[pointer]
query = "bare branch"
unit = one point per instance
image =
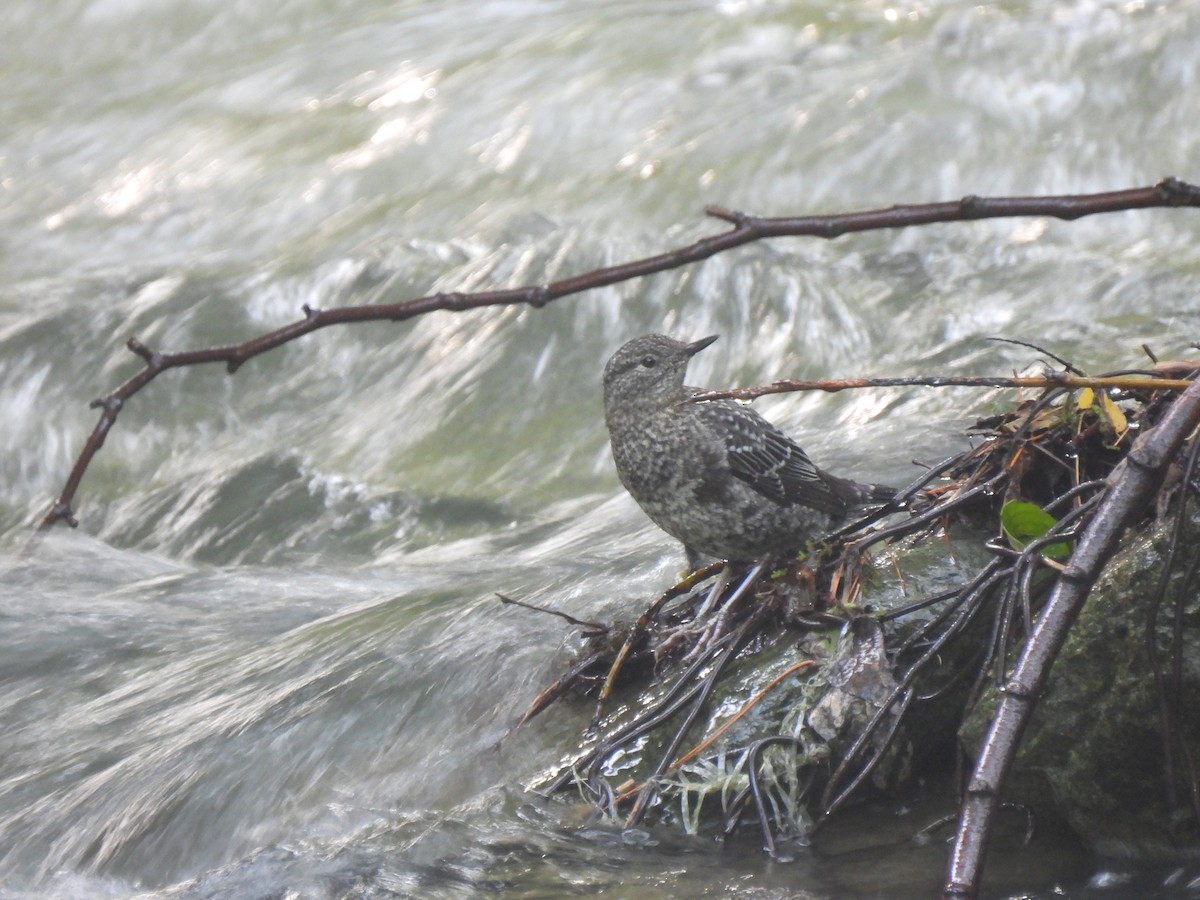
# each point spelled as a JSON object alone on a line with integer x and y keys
{"x": 1170, "y": 192}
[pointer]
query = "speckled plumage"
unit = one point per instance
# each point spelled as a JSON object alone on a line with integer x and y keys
{"x": 715, "y": 475}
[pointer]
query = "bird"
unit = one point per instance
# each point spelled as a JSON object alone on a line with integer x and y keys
{"x": 716, "y": 475}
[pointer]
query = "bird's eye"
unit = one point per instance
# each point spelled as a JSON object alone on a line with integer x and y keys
{"x": 649, "y": 362}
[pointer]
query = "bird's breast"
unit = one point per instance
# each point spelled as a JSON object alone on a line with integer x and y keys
{"x": 661, "y": 455}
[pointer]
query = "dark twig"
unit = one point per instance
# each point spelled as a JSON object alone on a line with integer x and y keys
{"x": 900, "y": 612}
{"x": 897, "y": 703}
{"x": 554, "y": 691}
{"x": 987, "y": 578}
{"x": 1130, "y": 486}
{"x": 753, "y": 761}
{"x": 1082, "y": 488}
{"x": 1170, "y": 192}
{"x": 1042, "y": 350}
{"x": 590, "y": 627}
{"x": 962, "y": 498}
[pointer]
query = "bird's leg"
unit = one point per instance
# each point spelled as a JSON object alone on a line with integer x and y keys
{"x": 714, "y": 594}
{"x": 716, "y": 628}
{"x": 747, "y": 584}
{"x": 696, "y": 625}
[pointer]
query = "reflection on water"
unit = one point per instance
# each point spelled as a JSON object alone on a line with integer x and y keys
{"x": 271, "y": 661}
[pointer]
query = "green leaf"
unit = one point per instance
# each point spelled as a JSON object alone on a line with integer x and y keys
{"x": 1023, "y": 523}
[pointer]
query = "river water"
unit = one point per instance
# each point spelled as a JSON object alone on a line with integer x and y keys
{"x": 270, "y": 661}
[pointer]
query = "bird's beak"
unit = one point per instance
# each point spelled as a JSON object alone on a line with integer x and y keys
{"x": 696, "y": 346}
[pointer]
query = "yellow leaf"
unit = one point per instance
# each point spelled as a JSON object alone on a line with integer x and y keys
{"x": 1086, "y": 398}
{"x": 1114, "y": 414}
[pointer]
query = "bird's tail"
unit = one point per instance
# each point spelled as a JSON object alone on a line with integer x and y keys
{"x": 860, "y": 497}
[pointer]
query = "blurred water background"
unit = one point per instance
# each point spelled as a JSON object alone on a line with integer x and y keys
{"x": 270, "y": 661}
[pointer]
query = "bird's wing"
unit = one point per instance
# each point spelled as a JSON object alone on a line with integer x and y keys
{"x": 768, "y": 460}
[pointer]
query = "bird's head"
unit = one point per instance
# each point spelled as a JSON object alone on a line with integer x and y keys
{"x": 649, "y": 371}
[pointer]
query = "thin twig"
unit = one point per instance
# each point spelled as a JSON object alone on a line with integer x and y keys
{"x": 752, "y": 764}
{"x": 1042, "y": 350}
{"x": 591, "y": 626}
{"x": 1046, "y": 380}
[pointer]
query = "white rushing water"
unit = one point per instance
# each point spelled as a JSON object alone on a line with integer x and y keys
{"x": 270, "y": 661}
